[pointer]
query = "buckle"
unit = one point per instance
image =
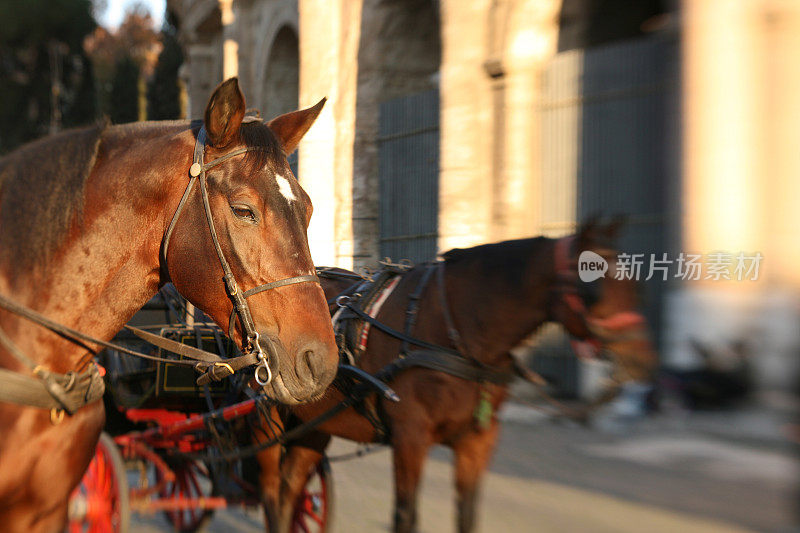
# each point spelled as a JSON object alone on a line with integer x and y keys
{"x": 56, "y": 416}
{"x": 260, "y": 369}
{"x": 261, "y": 378}
{"x": 226, "y": 366}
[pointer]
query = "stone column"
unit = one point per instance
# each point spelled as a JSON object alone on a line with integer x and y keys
{"x": 200, "y": 78}
{"x": 230, "y": 47}
{"x": 329, "y": 39}
{"x": 465, "y": 167}
{"x": 531, "y": 42}
{"x": 493, "y": 53}
{"x": 740, "y": 186}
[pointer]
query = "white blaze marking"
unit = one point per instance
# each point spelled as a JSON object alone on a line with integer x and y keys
{"x": 285, "y": 187}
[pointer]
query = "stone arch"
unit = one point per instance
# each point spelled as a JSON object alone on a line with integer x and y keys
{"x": 399, "y": 55}
{"x": 406, "y": 50}
{"x": 281, "y": 83}
{"x": 274, "y": 18}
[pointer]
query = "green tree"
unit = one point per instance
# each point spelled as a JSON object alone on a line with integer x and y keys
{"x": 164, "y": 90}
{"x": 83, "y": 107}
{"x": 41, "y": 53}
{"x": 123, "y": 100}
{"x": 134, "y": 39}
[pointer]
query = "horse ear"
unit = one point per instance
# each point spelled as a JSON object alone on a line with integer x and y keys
{"x": 291, "y": 127}
{"x": 613, "y": 229}
{"x": 224, "y": 113}
{"x": 587, "y": 232}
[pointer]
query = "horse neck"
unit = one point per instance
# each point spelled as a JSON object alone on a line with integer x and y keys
{"x": 108, "y": 266}
{"x": 495, "y": 313}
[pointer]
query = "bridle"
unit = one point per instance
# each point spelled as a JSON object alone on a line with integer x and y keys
{"x": 603, "y": 330}
{"x": 566, "y": 285}
{"x": 251, "y": 338}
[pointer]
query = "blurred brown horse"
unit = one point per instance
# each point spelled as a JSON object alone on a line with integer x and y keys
{"x": 495, "y": 295}
{"x": 83, "y": 218}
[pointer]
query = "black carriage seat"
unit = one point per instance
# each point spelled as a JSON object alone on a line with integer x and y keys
{"x": 139, "y": 383}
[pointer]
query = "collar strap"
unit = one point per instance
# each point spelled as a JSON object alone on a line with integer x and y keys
{"x": 563, "y": 256}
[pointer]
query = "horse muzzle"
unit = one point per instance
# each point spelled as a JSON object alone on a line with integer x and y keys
{"x": 299, "y": 376}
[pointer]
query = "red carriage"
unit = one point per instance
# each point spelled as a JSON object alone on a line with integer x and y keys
{"x": 184, "y": 450}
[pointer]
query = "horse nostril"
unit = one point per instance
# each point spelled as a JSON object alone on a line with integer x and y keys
{"x": 311, "y": 365}
{"x": 305, "y": 366}
{"x": 308, "y": 355}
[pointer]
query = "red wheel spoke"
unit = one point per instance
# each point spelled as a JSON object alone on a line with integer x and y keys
{"x": 99, "y": 493}
{"x": 186, "y": 486}
{"x": 315, "y": 517}
{"x": 302, "y": 525}
{"x": 311, "y": 506}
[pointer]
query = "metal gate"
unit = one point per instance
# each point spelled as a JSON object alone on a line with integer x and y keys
{"x": 610, "y": 145}
{"x": 408, "y": 176}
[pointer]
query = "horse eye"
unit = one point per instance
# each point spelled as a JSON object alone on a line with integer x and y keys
{"x": 243, "y": 212}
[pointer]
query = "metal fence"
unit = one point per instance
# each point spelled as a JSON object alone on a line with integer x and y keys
{"x": 293, "y": 162}
{"x": 610, "y": 143}
{"x": 408, "y": 176}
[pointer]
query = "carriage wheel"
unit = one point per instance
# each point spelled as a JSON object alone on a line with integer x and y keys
{"x": 188, "y": 484}
{"x": 100, "y": 503}
{"x": 314, "y": 506}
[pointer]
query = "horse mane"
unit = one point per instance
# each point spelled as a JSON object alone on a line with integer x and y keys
{"x": 511, "y": 258}
{"x": 42, "y": 190}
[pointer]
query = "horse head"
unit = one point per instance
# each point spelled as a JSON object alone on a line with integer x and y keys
{"x": 594, "y": 302}
{"x": 250, "y": 231}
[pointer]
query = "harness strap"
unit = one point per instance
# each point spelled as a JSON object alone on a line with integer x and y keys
{"x": 215, "y": 368}
{"x": 449, "y": 363}
{"x": 68, "y": 392}
{"x": 175, "y": 216}
{"x": 349, "y": 291}
{"x": 240, "y": 305}
{"x": 331, "y": 273}
{"x": 181, "y": 349}
{"x": 281, "y": 283}
{"x": 446, "y": 360}
{"x": 397, "y": 334}
{"x": 452, "y": 331}
{"x": 413, "y": 305}
{"x": 70, "y": 334}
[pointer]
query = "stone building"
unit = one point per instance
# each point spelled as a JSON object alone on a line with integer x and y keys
{"x": 456, "y": 122}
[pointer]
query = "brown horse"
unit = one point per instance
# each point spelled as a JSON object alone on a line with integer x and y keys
{"x": 84, "y": 217}
{"x": 496, "y": 294}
